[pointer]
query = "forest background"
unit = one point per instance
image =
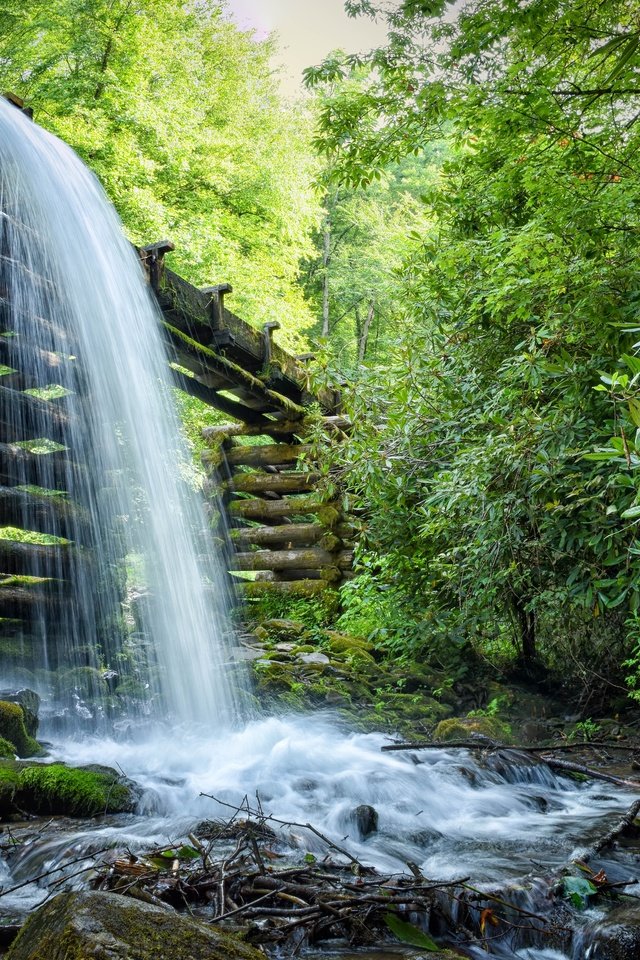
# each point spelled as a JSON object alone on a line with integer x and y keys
{"x": 451, "y": 221}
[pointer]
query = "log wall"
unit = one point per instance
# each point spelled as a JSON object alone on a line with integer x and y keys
{"x": 284, "y": 530}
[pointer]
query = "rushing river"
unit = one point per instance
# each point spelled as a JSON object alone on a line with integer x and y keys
{"x": 497, "y": 819}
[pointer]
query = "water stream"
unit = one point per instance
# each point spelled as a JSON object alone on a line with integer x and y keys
{"x": 102, "y": 471}
{"x": 80, "y": 323}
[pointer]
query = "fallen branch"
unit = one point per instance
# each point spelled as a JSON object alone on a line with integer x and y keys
{"x": 569, "y": 767}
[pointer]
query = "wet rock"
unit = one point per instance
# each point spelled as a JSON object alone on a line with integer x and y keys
{"x": 617, "y": 937}
{"x": 365, "y": 819}
{"x": 314, "y": 658}
{"x": 30, "y": 703}
{"x": 37, "y": 788}
{"x": 106, "y": 926}
{"x": 14, "y": 732}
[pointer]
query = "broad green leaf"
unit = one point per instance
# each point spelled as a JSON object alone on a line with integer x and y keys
{"x": 408, "y": 933}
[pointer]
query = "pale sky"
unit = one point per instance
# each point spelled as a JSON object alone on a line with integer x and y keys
{"x": 308, "y": 30}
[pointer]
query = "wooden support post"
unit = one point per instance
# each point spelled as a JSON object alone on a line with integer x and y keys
{"x": 152, "y": 257}
{"x": 216, "y": 306}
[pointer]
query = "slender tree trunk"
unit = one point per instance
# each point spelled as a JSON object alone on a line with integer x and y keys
{"x": 326, "y": 260}
{"x": 364, "y": 337}
{"x": 527, "y": 623}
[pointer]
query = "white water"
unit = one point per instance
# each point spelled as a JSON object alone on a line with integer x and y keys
{"x": 443, "y": 809}
{"x": 70, "y": 286}
{"x": 63, "y": 257}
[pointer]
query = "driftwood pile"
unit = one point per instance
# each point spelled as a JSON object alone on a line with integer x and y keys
{"x": 254, "y": 886}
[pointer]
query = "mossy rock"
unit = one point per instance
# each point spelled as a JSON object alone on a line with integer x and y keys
{"x": 87, "y": 682}
{"x": 462, "y": 728}
{"x": 12, "y": 728}
{"x": 103, "y": 926}
{"x": 7, "y": 750}
{"x": 345, "y": 643}
{"x": 283, "y": 630}
{"x": 71, "y": 791}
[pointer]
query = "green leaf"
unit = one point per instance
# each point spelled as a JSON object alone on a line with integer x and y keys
{"x": 578, "y": 890}
{"x": 309, "y": 858}
{"x": 631, "y": 513}
{"x": 408, "y": 933}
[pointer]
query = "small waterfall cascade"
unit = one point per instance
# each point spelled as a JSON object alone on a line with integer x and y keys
{"x": 109, "y": 591}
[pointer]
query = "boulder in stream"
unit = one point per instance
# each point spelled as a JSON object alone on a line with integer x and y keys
{"x": 108, "y": 926}
{"x": 617, "y": 937}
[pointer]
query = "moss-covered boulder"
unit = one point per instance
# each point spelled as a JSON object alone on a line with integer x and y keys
{"x": 29, "y": 701}
{"x": 462, "y": 728}
{"x": 57, "y": 789}
{"x": 107, "y": 926}
{"x": 12, "y": 729}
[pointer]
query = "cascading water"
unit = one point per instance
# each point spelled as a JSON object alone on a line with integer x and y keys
{"x": 95, "y": 454}
{"x": 92, "y": 463}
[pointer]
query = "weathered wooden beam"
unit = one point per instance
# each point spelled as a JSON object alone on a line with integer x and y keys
{"x": 276, "y": 428}
{"x": 297, "y": 534}
{"x": 272, "y": 454}
{"x": 240, "y": 378}
{"x": 28, "y": 418}
{"x": 44, "y": 514}
{"x": 259, "y": 509}
{"x": 312, "y": 558}
{"x": 38, "y": 560}
{"x": 289, "y": 482}
{"x": 49, "y": 470}
{"x": 211, "y": 397}
{"x": 253, "y": 589}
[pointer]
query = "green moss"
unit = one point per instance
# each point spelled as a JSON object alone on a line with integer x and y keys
{"x": 457, "y": 728}
{"x": 7, "y": 750}
{"x": 12, "y": 728}
{"x": 76, "y": 926}
{"x": 54, "y": 788}
{"x": 87, "y": 682}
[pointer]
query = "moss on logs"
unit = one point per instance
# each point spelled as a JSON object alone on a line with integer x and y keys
{"x": 311, "y": 558}
{"x": 290, "y": 482}
{"x": 257, "y": 509}
{"x": 275, "y": 454}
{"x": 298, "y": 534}
{"x": 43, "y": 513}
{"x": 253, "y": 589}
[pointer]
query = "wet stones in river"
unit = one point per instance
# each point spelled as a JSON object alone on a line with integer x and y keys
{"x": 617, "y": 937}
{"x": 107, "y": 925}
{"x": 365, "y": 820}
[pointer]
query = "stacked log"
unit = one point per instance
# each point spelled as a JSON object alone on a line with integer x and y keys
{"x": 285, "y": 531}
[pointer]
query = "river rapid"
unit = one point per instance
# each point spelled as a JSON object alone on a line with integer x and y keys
{"x": 503, "y": 820}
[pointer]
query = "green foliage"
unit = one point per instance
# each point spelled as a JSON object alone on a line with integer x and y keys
{"x": 178, "y": 112}
{"x": 489, "y": 511}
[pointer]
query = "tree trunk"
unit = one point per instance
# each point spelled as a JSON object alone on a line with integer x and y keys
{"x": 326, "y": 260}
{"x": 364, "y": 338}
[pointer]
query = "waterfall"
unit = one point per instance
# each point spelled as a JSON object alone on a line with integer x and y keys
{"x": 119, "y": 598}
